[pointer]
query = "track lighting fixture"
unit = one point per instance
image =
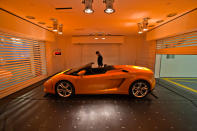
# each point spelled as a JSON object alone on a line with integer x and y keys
{"x": 88, "y": 6}
{"x": 60, "y": 31}
{"x": 55, "y": 24}
{"x": 140, "y": 31}
{"x": 145, "y": 24}
{"x": 109, "y": 6}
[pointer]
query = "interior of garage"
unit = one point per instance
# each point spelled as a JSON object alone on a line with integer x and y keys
{"x": 31, "y": 51}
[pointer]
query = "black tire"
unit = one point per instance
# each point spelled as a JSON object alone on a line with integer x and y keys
{"x": 64, "y": 89}
{"x": 139, "y": 89}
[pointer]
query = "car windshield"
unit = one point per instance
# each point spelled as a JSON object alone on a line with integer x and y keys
{"x": 78, "y": 68}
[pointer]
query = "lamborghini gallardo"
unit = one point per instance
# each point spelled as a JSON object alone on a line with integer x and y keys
{"x": 111, "y": 79}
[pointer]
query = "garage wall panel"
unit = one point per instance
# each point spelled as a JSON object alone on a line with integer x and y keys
{"x": 109, "y": 51}
{"x": 21, "y": 60}
{"x": 127, "y": 51}
{"x": 146, "y": 54}
{"x": 12, "y": 24}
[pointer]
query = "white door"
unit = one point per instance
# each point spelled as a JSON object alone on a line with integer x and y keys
{"x": 110, "y": 53}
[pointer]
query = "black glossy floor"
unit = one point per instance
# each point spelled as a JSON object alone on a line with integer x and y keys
{"x": 32, "y": 110}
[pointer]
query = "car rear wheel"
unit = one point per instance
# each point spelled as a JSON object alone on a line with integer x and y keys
{"x": 64, "y": 89}
{"x": 139, "y": 89}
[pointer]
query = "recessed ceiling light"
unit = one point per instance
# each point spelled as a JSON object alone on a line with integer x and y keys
{"x": 30, "y": 17}
{"x": 171, "y": 14}
{"x": 53, "y": 19}
{"x": 103, "y": 38}
{"x": 151, "y": 25}
{"x": 159, "y": 21}
{"x": 42, "y": 23}
{"x": 96, "y": 38}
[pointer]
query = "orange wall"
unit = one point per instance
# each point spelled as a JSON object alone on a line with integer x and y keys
{"x": 183, "y": 24}
{"x": 146, "y": 54}
{"x": 128, "y": 51}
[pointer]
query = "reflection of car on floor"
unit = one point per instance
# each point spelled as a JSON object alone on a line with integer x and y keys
{"x": 118, "y": 79}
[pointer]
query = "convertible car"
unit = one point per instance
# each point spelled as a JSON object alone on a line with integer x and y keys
{"x": 117, "y": 79}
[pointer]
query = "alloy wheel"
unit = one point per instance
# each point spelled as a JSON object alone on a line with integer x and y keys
{"x": 64, "y": 89}
{"x": 140, "y": 89}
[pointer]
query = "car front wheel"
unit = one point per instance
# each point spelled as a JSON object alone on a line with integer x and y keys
{"x": 64, "y": 89}
{"x": 139, "y": 89}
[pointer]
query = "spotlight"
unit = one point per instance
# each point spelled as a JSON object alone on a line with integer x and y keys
{"x": 103, "y": 38}
{"x": 55, "y": 24}
{"x": 96, "y": 38}
{"x": 140, "y": 28}
{"x": 109, "y": 6}
{"x": 145, "y": 24}
{"x": 88, "y": 6}
{"x": 60, "y": 32}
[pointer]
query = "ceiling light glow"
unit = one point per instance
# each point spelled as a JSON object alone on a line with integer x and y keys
{"x": 88, "y": 11}
{"x": 60, "y": 33}
{"x": 109, "y": 11}
{"x": 30, "y": 17}
{"x": 145, "y": 29}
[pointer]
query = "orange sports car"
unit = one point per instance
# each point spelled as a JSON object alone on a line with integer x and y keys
{"x": 117, "y": 79}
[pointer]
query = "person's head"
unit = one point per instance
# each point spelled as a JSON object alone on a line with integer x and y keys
{"x": 97, "y": 53}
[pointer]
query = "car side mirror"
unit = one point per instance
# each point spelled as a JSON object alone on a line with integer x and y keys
{"x": 81, "y": 73}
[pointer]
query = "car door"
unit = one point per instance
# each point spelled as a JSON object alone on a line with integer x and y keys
{"x": 92, "y": 83}
{"x": 116, "y": 78}
{"x": 101, "y": 83}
